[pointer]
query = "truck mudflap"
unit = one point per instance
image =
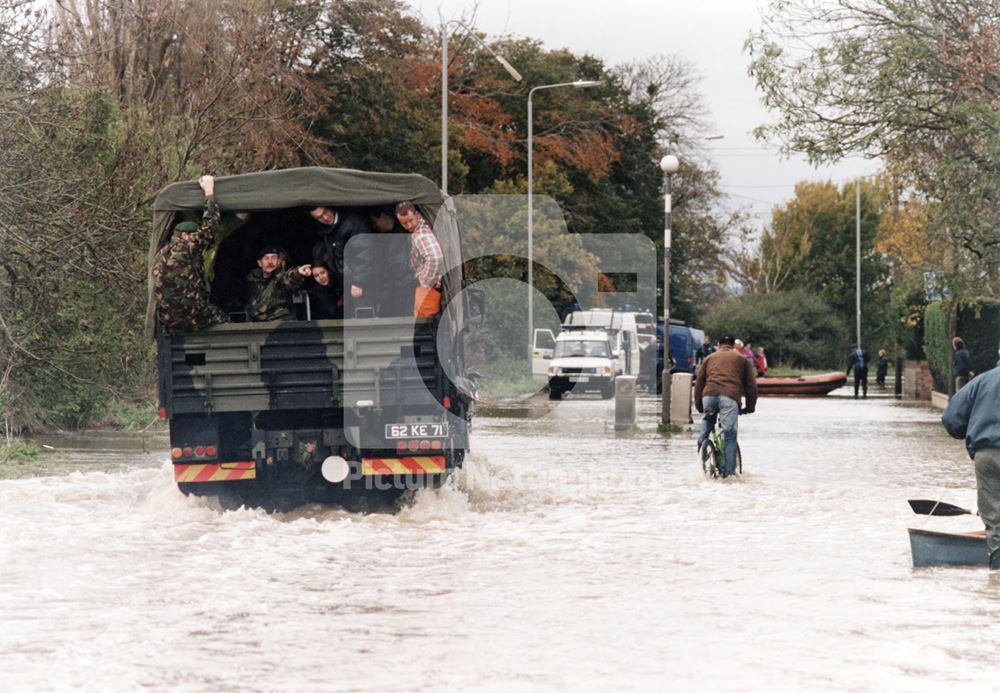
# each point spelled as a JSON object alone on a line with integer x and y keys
{"x": 392, "y": 466}
{"x": 219, "y": 471}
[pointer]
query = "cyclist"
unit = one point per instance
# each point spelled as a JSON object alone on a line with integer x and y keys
{"x": 724, "y": 378}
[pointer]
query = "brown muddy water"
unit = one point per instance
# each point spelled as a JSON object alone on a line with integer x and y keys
{"x": 563, "y": 557}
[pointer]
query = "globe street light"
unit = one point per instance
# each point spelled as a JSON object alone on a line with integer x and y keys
{"x": 580, "y": 84}
{"x": 669, "y": 165}
{"x": 444, "y": 88}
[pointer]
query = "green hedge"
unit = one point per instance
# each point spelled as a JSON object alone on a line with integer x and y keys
{"x": 796, "y": 328}
{"x": 937, "y": 344}
{"x": 978, "y": 325}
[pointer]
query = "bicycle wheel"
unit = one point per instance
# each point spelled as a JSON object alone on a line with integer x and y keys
{"x": 710, "y": 460}
{"x": 708, "y": 456}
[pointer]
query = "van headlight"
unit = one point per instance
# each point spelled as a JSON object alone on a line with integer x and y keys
{"x": 553, "y": 371}
{"x": 607, "y": 370}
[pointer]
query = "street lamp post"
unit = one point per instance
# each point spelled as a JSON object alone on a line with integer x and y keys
{"x": 669, "y": 165}
{"x": 444, "y": 88}
{"x": 857, "y": 259}
{"x": 579, "y": 84}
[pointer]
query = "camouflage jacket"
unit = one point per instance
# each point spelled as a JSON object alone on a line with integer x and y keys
{"x": 179, "y": 286}
{"x": 271, "y": 297}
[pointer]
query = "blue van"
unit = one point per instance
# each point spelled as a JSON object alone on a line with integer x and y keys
{"x": 684, "y": 344}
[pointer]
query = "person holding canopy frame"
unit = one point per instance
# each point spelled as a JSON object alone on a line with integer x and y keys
{"x": 180, "y": 289}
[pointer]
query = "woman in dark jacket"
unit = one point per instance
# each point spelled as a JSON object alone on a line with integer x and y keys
{"x": 326, "y": 299}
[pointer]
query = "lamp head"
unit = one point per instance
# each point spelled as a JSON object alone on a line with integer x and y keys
{"x": 586, "y": 83}
{"x": 507, "y": 66}
{"x": 669, "y": 164}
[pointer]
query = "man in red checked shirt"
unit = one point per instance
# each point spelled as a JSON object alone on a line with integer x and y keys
{"x": 426, "y": 259}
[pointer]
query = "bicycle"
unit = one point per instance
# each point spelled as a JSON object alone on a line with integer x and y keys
{"x": 713, "y": 450}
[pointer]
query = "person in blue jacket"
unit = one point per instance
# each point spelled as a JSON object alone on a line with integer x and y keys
{"x": 858, "y": 360}
{"x": 974, "y": 414}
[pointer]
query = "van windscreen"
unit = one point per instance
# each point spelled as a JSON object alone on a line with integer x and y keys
{"x": 582, "y": 347}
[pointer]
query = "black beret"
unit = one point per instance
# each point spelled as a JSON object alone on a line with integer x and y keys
{"x": 267, "y": 249}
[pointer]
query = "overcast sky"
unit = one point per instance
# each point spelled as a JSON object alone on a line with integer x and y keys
{"x": 710, "y": 34}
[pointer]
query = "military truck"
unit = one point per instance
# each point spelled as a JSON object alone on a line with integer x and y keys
{"x": 354, "y": 411}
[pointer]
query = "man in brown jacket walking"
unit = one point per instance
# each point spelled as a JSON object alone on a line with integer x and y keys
{"x": 724, "y": 378}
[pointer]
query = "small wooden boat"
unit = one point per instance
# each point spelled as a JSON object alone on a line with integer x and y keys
{"x": 947, "y": 548}
{"x": 819, "y": 384}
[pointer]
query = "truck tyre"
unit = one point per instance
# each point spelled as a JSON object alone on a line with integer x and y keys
{"x": 608, "y": 391}
{"x": 555, "y": 393}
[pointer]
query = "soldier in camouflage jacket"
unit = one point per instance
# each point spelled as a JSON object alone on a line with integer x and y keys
{"x": 271, "y": 287}
{"x": 179, "y": 286}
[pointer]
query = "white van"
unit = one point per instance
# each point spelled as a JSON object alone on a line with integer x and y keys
{"x": 582, "y": 361}
{"x": 621, "y": 329}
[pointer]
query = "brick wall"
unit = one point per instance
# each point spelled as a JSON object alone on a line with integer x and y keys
{"x": 917, "y": 383}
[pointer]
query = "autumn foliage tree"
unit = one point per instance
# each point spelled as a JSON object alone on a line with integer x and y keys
{"x": 914, "y": 82}
{"x": 810, "y": 245}
{"x": 595, "y": 150}
{"x": 103, "y": 103}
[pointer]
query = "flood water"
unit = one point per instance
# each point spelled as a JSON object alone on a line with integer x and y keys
{"x": 564, "y": 557}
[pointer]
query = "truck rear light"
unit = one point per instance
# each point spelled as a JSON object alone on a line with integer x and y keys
{"x": 199, "y": 451}
{"x": 412, "y": 446}
{"x": 425, "y": 445}
{"x": 176, "y": 453}
{"x": 435, "y": 445}
{"x": 211, "y": 451}
{"x": 446, "y": 402}
{"x": 401, "y": 446}
{"x": 188, "y": 452}
{"x": 162, "y": 412}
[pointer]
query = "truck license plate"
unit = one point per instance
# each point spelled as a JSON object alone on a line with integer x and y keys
{"x": 579, "y": 379}
{"x": 416, "y": 430}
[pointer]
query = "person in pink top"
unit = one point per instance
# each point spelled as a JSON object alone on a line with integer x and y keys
{"x": 746, "y": 352}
